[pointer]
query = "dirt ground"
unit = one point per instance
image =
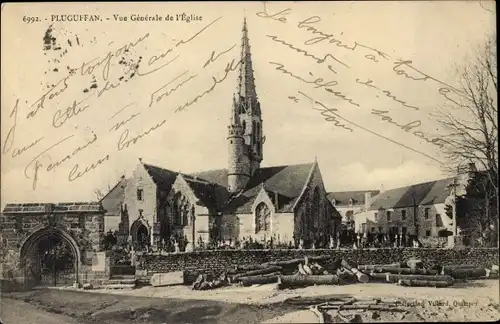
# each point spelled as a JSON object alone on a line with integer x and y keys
{"x": 471, "y": 301}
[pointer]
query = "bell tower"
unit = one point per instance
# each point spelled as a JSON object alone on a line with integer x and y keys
{"x": 245, "y": 130}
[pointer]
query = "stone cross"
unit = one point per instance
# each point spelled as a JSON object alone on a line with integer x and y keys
{"x": 176, "y": 245}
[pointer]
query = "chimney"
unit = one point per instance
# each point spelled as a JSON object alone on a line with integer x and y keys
{"x": 368, "y": 198}
{"x": 276, "y": 200}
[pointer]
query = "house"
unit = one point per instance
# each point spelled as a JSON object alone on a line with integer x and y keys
{"x": 417, "y": 209}
{"x": 349, "y": 203}
{"x": 286, "y": 203}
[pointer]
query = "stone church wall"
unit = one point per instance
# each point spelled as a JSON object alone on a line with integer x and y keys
{"x": 283, "y": 227}
{"x": 243, "y": 225}
{"x": 325, "y": 219}
{"x": 140, "y": 180}
{"x": 221, "y": 260}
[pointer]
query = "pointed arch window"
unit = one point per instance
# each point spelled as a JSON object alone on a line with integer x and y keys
{"x": 244, "y": 124}
{"x": 262, "y": 218}
{"x": 181, "y": 210}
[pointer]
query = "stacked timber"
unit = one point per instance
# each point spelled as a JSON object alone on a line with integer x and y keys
{"x": 394, "y": 278}
{"x": 258, "y": 272}
{"x": 260, "y": 280}
{"x": 299, "y": 280}
{"x": 424, "y": 283}
{"x": 325, "y": 270}
{"x": 397, "y": 270}
{"x": 359, "y": 275}
{"x": 469, "y": 272}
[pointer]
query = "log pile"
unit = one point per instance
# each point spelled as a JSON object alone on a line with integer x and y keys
{"x": 325, "y": 270}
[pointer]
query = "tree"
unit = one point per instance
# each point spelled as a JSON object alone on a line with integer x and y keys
{"x": 477, "y": 213}
{"x": 471, "y": 127}
{"x": 99, "y": 194}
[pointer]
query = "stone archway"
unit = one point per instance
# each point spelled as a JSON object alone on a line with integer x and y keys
{"x": 31, "y": 258}
{"x": 141, "y": 235}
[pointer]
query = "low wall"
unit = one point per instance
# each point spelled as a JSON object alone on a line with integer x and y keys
{"x": 217, "y": 261}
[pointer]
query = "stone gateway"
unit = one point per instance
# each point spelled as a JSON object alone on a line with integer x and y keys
{"x": 51, "y": 244}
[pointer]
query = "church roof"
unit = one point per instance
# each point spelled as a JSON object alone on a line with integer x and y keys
{"x": 112, "y": 201}
{"x": 286, "y": 181}
{"x": 163, "y": 178}
{"x": 207, "y": 192}
{"x": 283, "y": 182}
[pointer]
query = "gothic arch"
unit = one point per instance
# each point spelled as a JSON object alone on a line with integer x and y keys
{"x": 181, "y": 209}
{"x": 136, "y": 225}
{"x": 30, "y": 244}
{"x": 262, "y": 218}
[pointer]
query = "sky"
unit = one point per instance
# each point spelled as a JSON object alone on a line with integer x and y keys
{"x": 68, "y": 64}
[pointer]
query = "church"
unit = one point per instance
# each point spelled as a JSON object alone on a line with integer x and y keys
{"x": 287, "y": 204}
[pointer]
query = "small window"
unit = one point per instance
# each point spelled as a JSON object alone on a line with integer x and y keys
{"x": 380, "y": 229}
{"x": 388, "y": 213}
{"x": 376, "y": 216}
{"x": 373, "y": 229}
{"x": 438, "y": 220}
{"x": 426, "y": 213}
{"x": 140, "y": 194}
{"x": 403, "y": 214}
{"x": 427, "y": 233}
{"x": 403, "y": 230}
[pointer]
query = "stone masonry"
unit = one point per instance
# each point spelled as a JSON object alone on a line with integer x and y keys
{"x": 24, "y": 226}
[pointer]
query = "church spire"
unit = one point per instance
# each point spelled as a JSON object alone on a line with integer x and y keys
{"x": 245, "y": 137}
{"x": 246, "y": 81}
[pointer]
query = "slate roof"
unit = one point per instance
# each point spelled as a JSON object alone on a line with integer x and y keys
{"x": 342, "y": 197}
{"x": 206, "y": 192}
{"x": 285, "y": 182}
{"x": 112, "y": 201}
{"x": 427, "y": 193}
{"x": 163, "y": 178}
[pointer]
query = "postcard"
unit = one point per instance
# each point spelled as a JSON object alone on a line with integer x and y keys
{"x": 157, "y": 141}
